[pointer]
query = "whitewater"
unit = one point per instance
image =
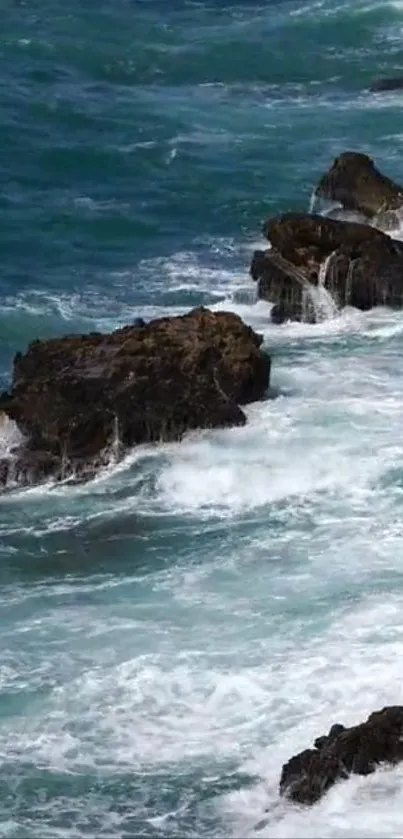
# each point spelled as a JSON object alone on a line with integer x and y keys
{"x": 177, "y": 628}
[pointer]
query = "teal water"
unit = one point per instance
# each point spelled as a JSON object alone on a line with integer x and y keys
{"x": 177, "y": 628}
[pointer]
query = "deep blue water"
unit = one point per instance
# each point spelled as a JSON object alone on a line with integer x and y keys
{"x": 176, "y": 629}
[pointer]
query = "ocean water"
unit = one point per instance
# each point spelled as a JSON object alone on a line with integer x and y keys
{"x": 174, "y": 630}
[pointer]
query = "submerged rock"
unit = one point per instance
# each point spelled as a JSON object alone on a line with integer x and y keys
{"x": 355, "y": 183}
{"x": 387, "y": 83}
{"x": 344, "y": 751}
{"x": 358, "y": 265}
{"x": 80, "y": 398}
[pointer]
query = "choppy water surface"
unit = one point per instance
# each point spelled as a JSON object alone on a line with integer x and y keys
{"x": 176, "y": 629}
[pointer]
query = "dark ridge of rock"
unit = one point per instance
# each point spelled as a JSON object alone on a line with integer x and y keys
{"x": 304, "y": 237}
{"x": 387, "y": 83}
{"x": 355, "y": 183}
{"x": 358, "y": 750}
{"x": 78, "y": 398}
{"x": 364, "y": 267}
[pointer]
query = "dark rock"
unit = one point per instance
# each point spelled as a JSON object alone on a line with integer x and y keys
{"x": 388, "y": 83}
{"x": 279, "y": 282}
{"x": 364, "y": 266}
{"x": 4, "y": 469}
{"x": 344, "y": 751}
{"x": 31, "y": 467}
{"x": 307, "y": 239}
{"x": 367, "y": 276}
{"x": 334, "y": 731}
{"x": 77, "y": 399}
{"x": 283, "y": 312}
{"x": 355, "y": 183}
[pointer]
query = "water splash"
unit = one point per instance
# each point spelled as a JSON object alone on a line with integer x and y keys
{"x": 324, "y": 306}
{"x": 313, "y": 202}
{"x": 116, "y": 446}
{"x": 324, "y": 268}
{"x": 10, "y": 435}
{"x": 323, "y": 206}
{"x": 390, "y": 222}
{"x": 318, "y": 304}
{"x": 65, "y": 465}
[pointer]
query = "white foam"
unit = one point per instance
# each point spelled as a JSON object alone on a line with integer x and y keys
{"x": 324, "y": 305}
{"x": 313, "y": 689}
{"x": 258, "y": 639}
{"x": 186, "y": 699}
{"x": 10, "y": 435}
{"x": 291, "y": 447}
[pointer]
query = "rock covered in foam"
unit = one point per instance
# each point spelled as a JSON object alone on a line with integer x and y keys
{"x": 79, "y": 398}
{"x": 344, "y": 751}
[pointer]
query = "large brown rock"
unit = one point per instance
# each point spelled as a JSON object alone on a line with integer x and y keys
{"x": 79, "y": 398}
{"x": 344, "y": 751}
{"x": 355, "y": 182}
{"x": 358, "y": 265}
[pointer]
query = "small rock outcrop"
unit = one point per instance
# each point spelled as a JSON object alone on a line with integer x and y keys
{"x": 357, "y": 264}
{"x": 355, "y": 183}
{"x": 387, "y": 83}
{"x": 78, "y": 398}
{"x": 344, "y": 751}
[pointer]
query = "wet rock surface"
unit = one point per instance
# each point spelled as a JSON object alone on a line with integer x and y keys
{"x": 359, "y": 265}
{"x": 342, "y": 752}
{"x": 80, "y": 399}
{"x": 354, "y": 181}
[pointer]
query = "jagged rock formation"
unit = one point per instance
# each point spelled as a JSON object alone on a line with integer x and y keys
{"x": 344, "y": 751}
